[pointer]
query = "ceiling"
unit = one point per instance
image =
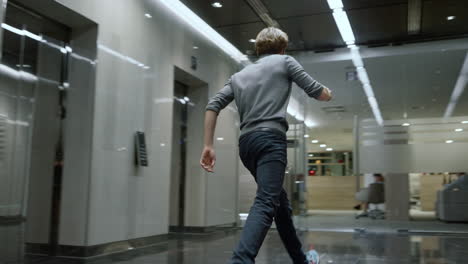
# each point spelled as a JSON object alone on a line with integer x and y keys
{"x": 310, "y": 24}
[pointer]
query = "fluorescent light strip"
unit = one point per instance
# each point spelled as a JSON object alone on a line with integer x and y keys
{"x": 362, "y": 75}
{"x": 346, "y": 31}
{"x": 375, "y": 110}
{"x": 356, "y": 57}
{"x": 309, "y": 123}
{"x": 183, "y": 12}
{"x": 462, "y": 81}
{"x": 335, "y": 4}
{"x": 344, "y": 26}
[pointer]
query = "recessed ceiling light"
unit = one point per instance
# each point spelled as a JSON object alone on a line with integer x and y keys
{"x": 311, "y": 155}
{"x": 148, "y": 15}
{"x": 459, "y": 130}
{"x": 323, "y": 146}
{"x": 449, "y": 141}
{"x": 315, "y": 141}
{"x": 464, "y": 122}
{"x": 216, "y": 4}
{"x": 306, "y": 135}
{"x": 195, "y": 47}
{"x": 406, "y": 124}
{"x": 252, "y": 40}
{"x": 451, "y": 18}
{"x": 329, "y": 149}
{"x": 220, "y": 139}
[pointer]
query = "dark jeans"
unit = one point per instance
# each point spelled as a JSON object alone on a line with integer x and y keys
{"x": 263, "y": 153}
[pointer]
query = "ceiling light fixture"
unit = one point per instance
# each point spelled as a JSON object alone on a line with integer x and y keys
{"x": 252, "y": 40}
{"x": 148, "y": 15}
{"x": 299, "y": 117}
{"x": 342, "y": 21}
{"x": 459, "y": 130}
{"x": 216, "y": 5}
{"x": 329, "y": 149}
{"x": 182, "y": 11}
{"x": 309, "y": 123}
{"x": 406, "y": 124}
{"x": 315, "y": 141}
{"x": 451, "y": 18}
{"x": 195, "y": 47}
{"x": 464, "y": 122}
{"x": 220, "y": 139}
{"x": 323, "y": 145}
{"x": 346, "y": 31}
{"x": 306, "y": 135}
{"x": 449, "y": 141}
{"x": 335, "y": 4}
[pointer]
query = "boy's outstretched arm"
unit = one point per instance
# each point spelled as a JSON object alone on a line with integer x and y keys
{"x": 215, "y": 105}
{"x": 208, "y": 157}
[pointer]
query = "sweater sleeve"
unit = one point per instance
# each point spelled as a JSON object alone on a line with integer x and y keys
{"x": 297, "y": 74}
{"x": 221, "y": 98}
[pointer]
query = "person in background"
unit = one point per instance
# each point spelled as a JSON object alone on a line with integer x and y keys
{"x": 261, "y": 92}
{"x": 363, "y": 195}
{"x": 460, "y": 183}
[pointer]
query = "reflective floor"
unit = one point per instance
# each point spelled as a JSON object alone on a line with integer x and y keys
{"x": 334, "y": 247}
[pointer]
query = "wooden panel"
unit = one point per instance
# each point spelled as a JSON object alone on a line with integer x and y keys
{"x": 331, "y": 192}
{"x": 430, "y": 184}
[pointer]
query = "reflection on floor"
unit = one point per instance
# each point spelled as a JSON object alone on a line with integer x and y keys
{"x": 347, "y": 222}
{"x": 334, "y": 247}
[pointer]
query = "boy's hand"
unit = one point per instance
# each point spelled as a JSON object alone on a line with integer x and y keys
{"x": 208, "y": 159}
{"x": 326, "y": 95}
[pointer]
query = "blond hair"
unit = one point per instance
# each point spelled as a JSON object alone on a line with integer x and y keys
{"x": 271, "y": 41}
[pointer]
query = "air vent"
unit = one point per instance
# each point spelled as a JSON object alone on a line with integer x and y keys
{"x": 334, "y": 109}
{"x": 351, "y": 76}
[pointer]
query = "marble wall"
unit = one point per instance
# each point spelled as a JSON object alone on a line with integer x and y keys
{"x": 121, "y": 201}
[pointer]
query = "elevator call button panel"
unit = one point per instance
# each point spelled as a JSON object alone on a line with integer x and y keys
{"x": 141, "y": 151}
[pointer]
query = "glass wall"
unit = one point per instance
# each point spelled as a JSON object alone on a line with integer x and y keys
{"x": 418, "y": 109}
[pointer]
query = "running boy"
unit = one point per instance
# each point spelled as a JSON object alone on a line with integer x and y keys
{"x": 261, "y": 91}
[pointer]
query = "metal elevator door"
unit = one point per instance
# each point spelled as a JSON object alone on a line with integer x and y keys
{"x": 33, "y": 84}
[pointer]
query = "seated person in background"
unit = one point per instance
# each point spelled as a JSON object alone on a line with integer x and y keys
{"x": 461, "y": 183}
{"x": 363, "y": 195}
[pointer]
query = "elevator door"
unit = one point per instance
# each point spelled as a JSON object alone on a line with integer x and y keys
{"x": 33, "y": 83}
{"x": 179, "y": 157}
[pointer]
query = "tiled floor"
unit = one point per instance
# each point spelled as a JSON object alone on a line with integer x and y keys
{"x": 334, "y": 247}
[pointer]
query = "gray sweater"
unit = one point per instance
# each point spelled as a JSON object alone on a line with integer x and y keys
{"x": 262, "y": 92}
